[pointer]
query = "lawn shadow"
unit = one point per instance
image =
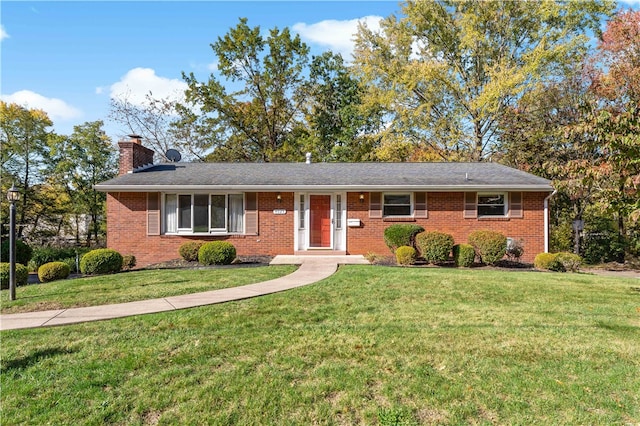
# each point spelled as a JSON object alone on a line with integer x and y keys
{"x": 31, "y": 359}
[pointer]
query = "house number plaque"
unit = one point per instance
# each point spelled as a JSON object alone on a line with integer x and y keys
{"x": 279, "y": 211}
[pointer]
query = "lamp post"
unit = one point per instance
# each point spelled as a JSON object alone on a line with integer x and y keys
{"x": 12, "y": 195}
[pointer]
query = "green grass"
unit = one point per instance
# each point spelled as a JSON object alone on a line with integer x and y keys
{"x": 132, "y": 286}
{"x": 369, "y": 345}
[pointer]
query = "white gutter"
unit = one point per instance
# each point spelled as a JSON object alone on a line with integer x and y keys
{"x": 546, "y": 220}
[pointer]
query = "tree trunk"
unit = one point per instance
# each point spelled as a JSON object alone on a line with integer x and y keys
{"x": 476, "y": 155}
{"x": 622, "y": 236}
{"x": 77, "y": 229}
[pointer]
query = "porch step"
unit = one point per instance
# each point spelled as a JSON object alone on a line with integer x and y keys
{"x": 320, "y": 252}
{"x": 285, "y": 259}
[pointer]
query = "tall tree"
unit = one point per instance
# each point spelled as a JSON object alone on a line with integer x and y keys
{"x": 538, "y": 135}
{"x": 81, "y": 161}
{"x": 447, "y": 71}
{"x": 339, "y": 127}
{"x": 23, "y": 136}
{"x": 256, "y": 121}
{"x": 155, "y": 120}
{"x": 614, "y": 118}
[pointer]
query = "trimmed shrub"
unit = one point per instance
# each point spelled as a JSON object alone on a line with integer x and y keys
{"x": 405, "y": 255}
{"x": 571, "y": 262}
{"x": 434, "y": 246}
{"x": 101, "y": 261}
{"x": 53, "y": 271}
{"x": 490, "y": 246}
{"x": 463, "y": 255}
{"x": 217, "y": 253}
{"x": 401, "y": 234}
{"x": 22, "y": 274}
{"x": 23, "y": 252}
{"x": 547, "y": 262}
{"x": 128, "y": 262}
{"x": 189, "y": 250}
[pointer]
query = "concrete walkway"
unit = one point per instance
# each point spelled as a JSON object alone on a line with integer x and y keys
{"x": 311, "y": 270}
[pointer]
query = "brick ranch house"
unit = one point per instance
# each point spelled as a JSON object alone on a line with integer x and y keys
{"x": 313, "y": 208}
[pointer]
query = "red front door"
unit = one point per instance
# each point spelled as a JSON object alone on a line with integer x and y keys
{"x": 320, "y": 218}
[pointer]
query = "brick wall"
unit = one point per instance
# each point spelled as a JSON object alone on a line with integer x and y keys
{"x": 133, "y": 155}
{"x": 127, "y": 232}
{"x": 446, "y": 215}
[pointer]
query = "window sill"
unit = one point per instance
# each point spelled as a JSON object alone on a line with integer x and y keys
{"x": 202, "y": 234}
{"x": 494, "y": 218}
{"x": 398, "y": 219}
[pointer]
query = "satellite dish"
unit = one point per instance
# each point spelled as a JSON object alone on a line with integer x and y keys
{"x": 173, "y": 155}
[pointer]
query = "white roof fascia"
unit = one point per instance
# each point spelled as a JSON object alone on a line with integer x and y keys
{"x": 348, "y": 188}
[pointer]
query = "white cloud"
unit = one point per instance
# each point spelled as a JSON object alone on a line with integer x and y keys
{"x": 137, "y": 83}
{"x": 3, "y": 33}
{"x": 338, "y": 36}
{"x": 56, "y": 109}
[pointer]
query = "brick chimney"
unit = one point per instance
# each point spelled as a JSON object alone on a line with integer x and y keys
{"x": 133, "y": 155}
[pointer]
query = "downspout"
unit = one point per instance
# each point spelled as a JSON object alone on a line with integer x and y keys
{"x": 546, "y": 220}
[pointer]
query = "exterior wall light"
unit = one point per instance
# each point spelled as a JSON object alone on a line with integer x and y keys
{"x": 362, "y": 197}
{"x": 279, "y": 197}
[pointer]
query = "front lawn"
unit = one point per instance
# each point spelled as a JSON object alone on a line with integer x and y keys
{"x": 132, "y": 286}
{"x": 369, "y": 345}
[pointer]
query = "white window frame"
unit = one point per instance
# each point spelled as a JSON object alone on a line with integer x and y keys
{"x": 302, "y": 211}
{"x": 210, "y": 231}
{"x": 226, "y": 214}
{"x": 383, "y": 204}
{"x": 338, "y": 211}
{"x": 505, "y": 209}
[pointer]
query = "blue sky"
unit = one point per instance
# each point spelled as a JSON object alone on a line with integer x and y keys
{"x": 70, "y": 58}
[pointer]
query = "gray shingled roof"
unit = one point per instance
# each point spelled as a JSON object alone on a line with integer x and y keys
{"x": 326, "y": 176}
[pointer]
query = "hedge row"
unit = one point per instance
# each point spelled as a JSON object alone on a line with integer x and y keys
{"x": 408, "y": 242}
{"x": 437, "y": 247}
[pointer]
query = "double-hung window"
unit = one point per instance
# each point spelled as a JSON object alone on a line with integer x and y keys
{"x": 203, "y": 213}
{"x": 494, "y": 204}
{"x": 396, "y": 204}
